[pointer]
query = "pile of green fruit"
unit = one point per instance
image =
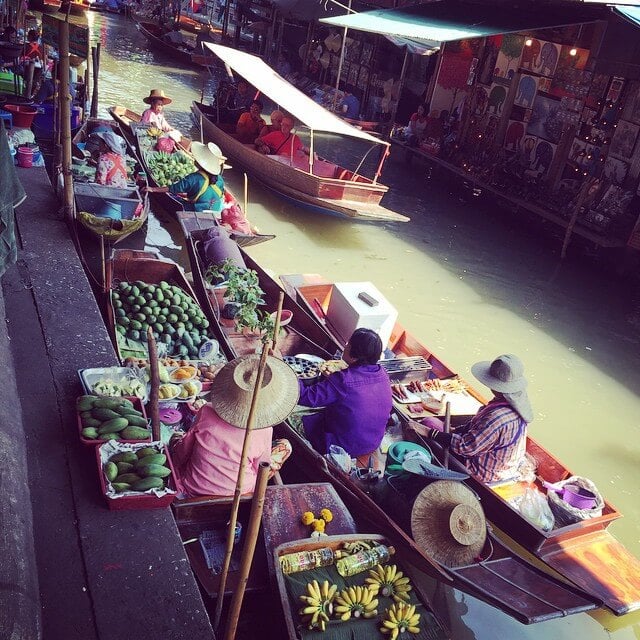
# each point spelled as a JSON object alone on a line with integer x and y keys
{"x": 167, "y": 168}
{"x": 141, "y": 470}
{"x": 111, "y": 419}
{"x": 174, "y": 317}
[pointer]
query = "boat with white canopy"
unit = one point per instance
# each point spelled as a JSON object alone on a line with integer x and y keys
{"x": 311, "y": 181}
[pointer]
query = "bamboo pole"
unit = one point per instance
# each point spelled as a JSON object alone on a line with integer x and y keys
{"x": 248, "y": 550}
{"x": 238, "y": 490}
{"x": 276, "y": 325}
{"x": 65, "y": 118}
{"x": 95, "y": 61}
{"x": 103, "y": 263}
{"x": 447, "y": 429}
{"x": 155, "y": 385}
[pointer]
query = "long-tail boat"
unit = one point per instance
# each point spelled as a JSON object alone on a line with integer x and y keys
{"x": 189, "y": 220}
{"x": 313, "y": 182}
{"x": 584, "y": 553}
{"x": 537, "y": 595}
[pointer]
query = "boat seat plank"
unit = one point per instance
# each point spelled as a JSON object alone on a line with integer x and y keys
{"x": 597, "y": 562}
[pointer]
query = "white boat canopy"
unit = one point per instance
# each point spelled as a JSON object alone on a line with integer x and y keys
{"x": 267, "y": 81}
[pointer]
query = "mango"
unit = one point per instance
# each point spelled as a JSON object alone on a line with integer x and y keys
{"x": 128, "y": 478}
{"x": 104, "y": 414}
{"x": 120, "y": 486}
{"x": 110, "y": 471}
{"x": 91, "y": 422}
{"x": 148, "y": 483}
{"x": 135, "y": 433}
{"x": 85, "y": 403}
{"x": 136, "y": 421}
{"x": 146, "y": 451}
{"x": 108, "y": 436}
{"x": 154, "y": 458}
{"x": 124, "y": 467}
{"x": 125, "y": 456}
{"x": 113, "y": 426}
{"x": 154, "y": 470}
{"x": 90, "y": 433}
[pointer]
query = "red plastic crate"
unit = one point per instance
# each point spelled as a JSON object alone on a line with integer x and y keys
{"x": 137, "y": 403}
{"x": 142, "y": 500}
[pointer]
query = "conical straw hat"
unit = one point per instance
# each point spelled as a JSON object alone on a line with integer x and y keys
{"x": 448, "y": 523}
{"x": 232, "y": 390}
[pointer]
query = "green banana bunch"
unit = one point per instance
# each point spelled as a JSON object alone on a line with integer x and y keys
{"x": 356, "y": 602}
{"x": 388, "y": 581}
{"x": 319, "y": 604}
{"x": 400, "y": 618}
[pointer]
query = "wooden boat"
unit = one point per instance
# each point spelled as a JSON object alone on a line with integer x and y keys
{"x": 324, "y": 187}
{"x": 185, "y": 53}
{"x": 189, "y": 220}
{"x": 584, "y": 553}
{"x": 129, "y": 265}
{"x": 92, "y": 198}
{"x": 539, "y": 597}
{"x": 46, "y": 6}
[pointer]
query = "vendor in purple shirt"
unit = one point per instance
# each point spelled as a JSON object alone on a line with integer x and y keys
{"x": 357, "y": 400}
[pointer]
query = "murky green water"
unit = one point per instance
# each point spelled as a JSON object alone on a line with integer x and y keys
{"x": 471, "y": 283}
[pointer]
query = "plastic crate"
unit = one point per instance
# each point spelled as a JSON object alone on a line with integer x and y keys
{"x": 137, "y": 403}
{"x": 142, "y": 500}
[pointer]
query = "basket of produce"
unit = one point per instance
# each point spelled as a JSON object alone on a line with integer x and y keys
{"x": 103, "y": 419}
{"x": 136, "y": 476}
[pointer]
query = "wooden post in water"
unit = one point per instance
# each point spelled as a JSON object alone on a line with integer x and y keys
{"x": 65, "y": 117}
{"x": 95, "y": 61}
{"x": 155, "y": 385}
{"x": 251, "y": 536}
{"x": 233, "y": 518}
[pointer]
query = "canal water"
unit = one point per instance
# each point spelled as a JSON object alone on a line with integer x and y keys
{"x": 471, "y": 281}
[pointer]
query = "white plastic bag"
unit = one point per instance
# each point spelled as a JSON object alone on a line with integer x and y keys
{"x": 340, "y": 457}
{"x": 534, "y": 507}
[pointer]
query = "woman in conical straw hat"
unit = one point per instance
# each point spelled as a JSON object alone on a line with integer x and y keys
{"x": 207, "y": 458}
{"x": 154, "y": 115}
{"x": 202, "y": 190}
{"x": 493, "y": 443}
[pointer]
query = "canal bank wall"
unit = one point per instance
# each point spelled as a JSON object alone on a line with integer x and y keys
{"x": 74, "y": 569}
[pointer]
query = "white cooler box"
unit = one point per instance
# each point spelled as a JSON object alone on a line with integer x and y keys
{"x": 354, "y": 305}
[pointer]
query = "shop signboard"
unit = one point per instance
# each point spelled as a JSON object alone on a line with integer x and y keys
{"x": 78, "y": 36}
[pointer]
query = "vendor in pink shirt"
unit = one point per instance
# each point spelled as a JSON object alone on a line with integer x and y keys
{"x": 154, "y": 115}
{"x": 283, "y": 142}
{"x": 207, "y": 458}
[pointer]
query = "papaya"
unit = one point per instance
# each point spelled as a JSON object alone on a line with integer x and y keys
{"x": 135, "y": 433}
{"x": 136, "y": 421}
{"x": 124, "y": 456}
{"x": 90, "y": 433}
{"x": 154, "y": 458}
{"x": 128, "y": 478}
{"x": 113, "y": 426}
{"x": 124, "y": 467}
{"x": 145, "y": 484}
{"x": 110, "y": 471}
{"x": 121, "y": 486}
{"x": 102, "y": 413}
{"x": 154, "y": 471}
{"x": 108, "y": 436}
{"x": 91, "y": 423}
{"x": 146, "y": 451}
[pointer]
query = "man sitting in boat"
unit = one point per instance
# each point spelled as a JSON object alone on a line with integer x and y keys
{"x": 274, "y": 125}
{"x": 283, "y": 142}
{"x": 202, "y": 190}
{"x": 207, "y": 459}
{"x": 356, "y": 401}
{"x": 250, "y": 123}
{"x": 493, "y": 443}
{"x": 350, "y": 106}
{"x": 112, "y": 167}
{"x": 153, "y": 115}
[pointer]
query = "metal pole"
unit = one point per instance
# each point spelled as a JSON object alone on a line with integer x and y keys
{"x": 311, "y": 154}
{"x": 65, "y": 118}
{"x": 344, "y": 44}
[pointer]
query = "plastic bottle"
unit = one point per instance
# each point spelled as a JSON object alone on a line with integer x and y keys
{"x": 305, "y": 560}
{"x": 363, "y": 560}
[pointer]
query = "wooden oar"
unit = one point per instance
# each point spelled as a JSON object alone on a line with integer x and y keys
{"x": 251, "y": 536}
{"x": 238, "y": 490}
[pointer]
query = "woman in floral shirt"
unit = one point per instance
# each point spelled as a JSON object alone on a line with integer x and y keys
{"x": 112, "y": 167}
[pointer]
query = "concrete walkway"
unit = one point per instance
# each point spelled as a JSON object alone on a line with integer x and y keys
{"x": 71, "y": 568}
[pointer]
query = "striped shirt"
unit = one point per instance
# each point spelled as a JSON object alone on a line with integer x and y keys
{"x": 493, "y": 442}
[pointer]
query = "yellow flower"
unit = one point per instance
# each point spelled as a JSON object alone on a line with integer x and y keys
{"x": 318, "y": 525}
{"x": 326, "y": 515}
{"x": 308, "y": 517}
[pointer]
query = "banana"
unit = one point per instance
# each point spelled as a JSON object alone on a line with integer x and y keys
{"x": 389, "y": 582}
{"x": 319, "y": 600}
{"x": 355, "y": 602}
{"x": 400, "y": 618}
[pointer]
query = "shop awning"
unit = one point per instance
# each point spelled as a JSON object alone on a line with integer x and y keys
{"x": 630, "y": 13}
{"x": 267, "y": 81}
{"x": 443, "y": 21}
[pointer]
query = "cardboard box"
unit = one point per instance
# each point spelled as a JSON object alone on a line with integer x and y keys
{"x": 355, "y": 305}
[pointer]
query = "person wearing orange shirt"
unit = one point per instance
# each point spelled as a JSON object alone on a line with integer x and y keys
{"x": 250, "y": 123}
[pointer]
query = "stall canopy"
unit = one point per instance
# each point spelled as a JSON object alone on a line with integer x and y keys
{"x": 630, "y": 13}
{"x": 267, "y": 81}
{"x": 443, "y": 21}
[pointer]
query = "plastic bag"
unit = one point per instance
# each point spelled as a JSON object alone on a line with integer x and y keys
{"x": 534, "y": 507}
{"x": 340, "y": 457}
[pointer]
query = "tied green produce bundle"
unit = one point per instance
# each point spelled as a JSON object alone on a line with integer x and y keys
{"x": 175, "y": 318}
{"x": 167, "y": 168}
